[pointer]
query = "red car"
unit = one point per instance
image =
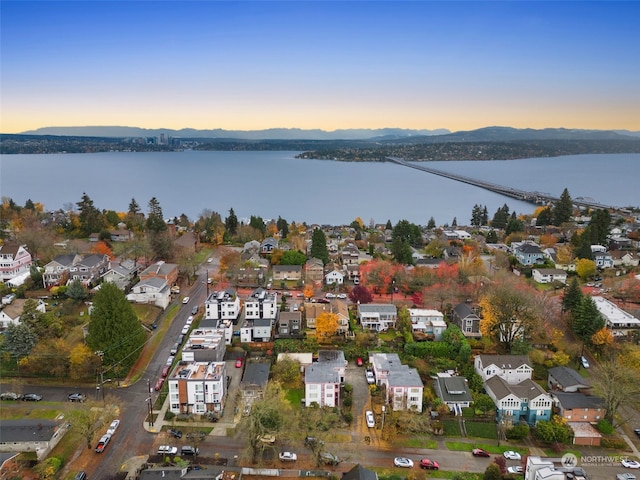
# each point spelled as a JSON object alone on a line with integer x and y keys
{"x": 159, "y": 384}
{"x": 359, "y": 361}
{"x": 429, "y": 464}
{"x": 165, "y": 371}
{"x": 239, "y": 363}
{"x": 478, "y": 452}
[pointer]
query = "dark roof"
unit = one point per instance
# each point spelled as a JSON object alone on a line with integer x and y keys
{"x": 568, "y": 377}
{"x": 453, "y": 389}
{"x": 358, "y": 472}
{"x": 255, "y": 374}
{"x": 463, "y": 310}
{"x": 578, "y": 400}
{"x": 27, "y": 430}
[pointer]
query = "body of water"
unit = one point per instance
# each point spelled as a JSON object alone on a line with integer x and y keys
{"x": 272, "y": 184}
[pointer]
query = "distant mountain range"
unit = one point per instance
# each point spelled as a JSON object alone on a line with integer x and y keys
{"x": 382, "y": 135}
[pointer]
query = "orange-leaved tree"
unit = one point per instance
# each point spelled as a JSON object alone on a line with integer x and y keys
{"x": 326, "y": 325}
{"x": 308, "y": 291}
{"x": 101, "y": 248}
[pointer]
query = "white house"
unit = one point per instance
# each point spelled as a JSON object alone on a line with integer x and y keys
{"x": 14, "y": 260}
{"x": 151, "y": 290}
{"x": 323, "y": 379}
{"x": 222, "y": 305}
{"x": 198, "y": 387}
{"x": 404, "y": 387}
{"x": 10, "y": 314}
{"x": 377, "y": 316}
{"x": 513, "y": 369}
{"x": 549, "y": 275}
{"x": 334, "y": 277}
{"x": 261, "y": 304}
{"x": 429, "y": 322}
{"x": 616, "y": 319}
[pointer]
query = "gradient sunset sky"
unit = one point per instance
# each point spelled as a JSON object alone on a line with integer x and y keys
{"x": 327, "y": 65}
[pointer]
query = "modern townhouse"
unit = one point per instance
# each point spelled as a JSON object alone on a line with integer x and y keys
{"x": 377, "y": 316}
{"x": 513, "y": 369}
{"x": 198, "y": 387}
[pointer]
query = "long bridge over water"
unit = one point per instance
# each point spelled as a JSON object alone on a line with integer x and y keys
{"x": 537, "y": 198}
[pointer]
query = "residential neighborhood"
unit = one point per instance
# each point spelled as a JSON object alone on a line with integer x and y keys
{"x": 511, "y": 342}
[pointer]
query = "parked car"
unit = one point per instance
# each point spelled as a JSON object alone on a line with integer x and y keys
{"x": 329, "y": 458}
{"x": 371, "y": 421}
{"x": 342, "y": 296}
{"x": 330, "y": 295}
{"x": 311, "y": 442}
{"x": 428, "y": 464}
{"x": 637, "y": 431}
{"x": 359, "y": 361}
{"x": 102, "y": 443}
{"x": 113, "y": 427}
{"x": 174, "y": 433}
{"x": 159, "y": 384}
{"x": 185, "y": 300}
{"x": 76, "y": 397}
{"x": 198, "y": 435}
{"x": 478, "y": 452}
{"x": 189, "y": 450}
{"x": 194, "y": 310}
{"x": 167, "y": 450}
{"x": 185, "y": 330}
{"x": 517, "y": 470}
{"x": 630, "y": 464}
{"x": 10, "y": 396}
{"x": 174, "y": 349}
{"x": 165, "y": 371}
{"x": 511, "y": 455}
{"x": 170, "y": 360}
{"x": 267, "y": 438}
{"x": 288, "y": 457}
{"x": 189, "y": 320}
{"x": 584, "y": 362}
{"x": 403, "y": 462}
{"x": 625, "y": 476}
{"x": 239, "y": 363}
{"x": 371, "y": 379}
{"x": 32, "y": 397}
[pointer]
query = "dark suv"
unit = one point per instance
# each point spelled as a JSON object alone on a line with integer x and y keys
{"x": 189, "y": 450}
{"x": 174, "y": 433}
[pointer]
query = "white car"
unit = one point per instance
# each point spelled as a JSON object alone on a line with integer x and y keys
{"x": 630, "y": 464}
{"x": 403, "y": 462}
{"x": 516, "y": 470}
{"x": 167, "y": 450}
{"x": 186, "y": 300}
{"x": 371, "y": 379}
{"x": 288, "y": 456}
{"x": 511, "y": 455}
{"x": 113, "y": 427}
{"x": 371, "y": 420}
{"x": 189, "y": 320}
{"x": 330, "y": 295}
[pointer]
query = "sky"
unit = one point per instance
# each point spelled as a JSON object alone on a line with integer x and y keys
{"x": 319, "y": 64}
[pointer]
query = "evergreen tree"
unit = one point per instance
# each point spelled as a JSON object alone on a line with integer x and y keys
{"x": 155, "y": 219}
{"x": 19, "y": 340}
{"x": 29, "y": 205}
{"x": 409, "y": 232}
{"x": 485, "y": 216}
{"x": 134, "y": 208}
{"x": 501, "y": 217}
{"x": 587, "y": 319}
{"x": 76, "y": 290}
{"x": 572, "y": 296}
{"x": 583, "y": 250}
{"x": 231, "y": 224}
{"x": 599, "y": 227}
{"x": 91, "y": 219}
{"x": 431, "y": 224}
{"x": 545, "y": 217}
{"x": 319, "y": 246}
{"x": 388, "y": 226}
{"x": 476, "y": 216}
{"x": 514, "y": 225}
{"x": 401, "y": 251}
{"x": 258, "y": 223}
{"x": 562, "y": 209}
{"x": 492, "y": 236}
{"x": 283, "y": 227}
{"x": 114, "y": 329}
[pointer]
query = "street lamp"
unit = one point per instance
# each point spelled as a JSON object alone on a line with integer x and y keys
{"x": 100, "y": 386}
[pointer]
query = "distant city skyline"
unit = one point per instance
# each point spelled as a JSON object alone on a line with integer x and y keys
{"x": 319, "y": 65}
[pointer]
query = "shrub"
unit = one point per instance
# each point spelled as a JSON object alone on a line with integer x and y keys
{"x": 518, "y": 432}
{"x": 605, "y": 427}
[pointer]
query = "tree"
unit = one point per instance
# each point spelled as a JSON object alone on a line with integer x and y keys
{"x": 210, "y": 227}
{"x": 231, "y": 224}
{"x": 91, "y": 219}
{"x": 563, "y": 208}
{"x": 283, "y": 227}
{"x": 293, "y": 257}
{"x": 617, "y": 383}
{"x": 492, "y": 472}
{"x": 82, "y": 362}
{"x": 114, "y": 329}
{"x": 19, "y": 340}
{"x": 88, "y": 418}
{"x": 602, "y": 339}
{"x": 287, "y": 372}
{"x": 326, "y": 325}
{"x": 585, "y": 268}
{"x": 508, "y": 314}
{"x": 501, "y": 217}
{"x": 401, "y": 251}
{"x": 258, "y": 223}
{"x": 407, "y": 232}
{"x": 155, "y": 219}
{"x": 431, "y": 224}
{"x": 76, "y": 291}
{"x": 572, "y": 296}
{"x": 307, "y": 291}
{"x": 360, "y": 295}
{"x": 319, "y": 246}
{"x": 555, "y": 430}
{"x": 484, "y": 403}
{"x": 544, "y": 217}
{"x": 587, "y": 319}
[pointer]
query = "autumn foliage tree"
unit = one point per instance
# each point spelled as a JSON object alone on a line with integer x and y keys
{"x": 326, "y": 325}
{"x": 360, "y": 295}
{"x": 101, "y": 248}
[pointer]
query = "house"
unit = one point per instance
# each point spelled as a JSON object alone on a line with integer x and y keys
{"x": 167, "y": 271}
{"x": 353, "y": 273}
{"x": 268, "y": 245}
{"x": 324, "y": 378}
{"x": 578, "y": 407}
{"x": 538, "y": 468}
{"x": 151, "y": 290}
{"x": 289, "y": 324}
{"x": 358, "y": 472}
{"x": 454, "y": 391}
{"x": 549, "y": 275}
{"x": 428, "y": 322}
{"x": 404, "y": 388}
{"x": 314, "y": 270}
{"x": 528, "y": 254}
{"x": 468, "y": 321}
{"x": 187, "y": 242}
{"x": 282, "y": 273}
{"x": 121, "y": 235}
{"x": 205, "y": 344}
{"x": 602, "y": 259}
{"x": 89, "y": 269}
{"x": 350, "y": 255}
{"x": 619, "y": 321}
{"x": 198, "y": 387}
{"x": 222, "y": 305}
{"x": 56, "y": 272}
{"x": 513, "y": 369}
{"x": 377, "y": 316}
{"x": 341, "y": 309}
{"x": 261, "y": 304}
{"x": 312, "y": 310}
{"x": 622, "y": 258}
{"x": 254, "y": 382}
{"x": 520, "y": 401}
{"x": 258, "y": 330}
{"x": 10, "y": 314}
{"x": 334, "y": 277}
{"x": 565, "y": 379}
{"x": 25, "y": 435}
{"x": 121, "y": 275}
{"x": 14, "y": 261}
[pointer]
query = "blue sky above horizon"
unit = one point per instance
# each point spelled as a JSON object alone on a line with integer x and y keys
{"x": 327, "y": 65}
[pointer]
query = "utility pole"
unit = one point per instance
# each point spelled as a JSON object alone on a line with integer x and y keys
{"x": 100, "y": 386}
{"x": 150, "y": 411}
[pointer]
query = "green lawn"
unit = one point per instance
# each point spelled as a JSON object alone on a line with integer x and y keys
{"x": 481, "y": 430}
{"x": 498, "y": 450}
{"x": 295, "y": 396}
{"x": 418, "y": 442}
{"x": 452, "y": 428}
